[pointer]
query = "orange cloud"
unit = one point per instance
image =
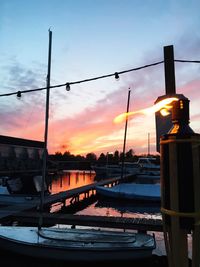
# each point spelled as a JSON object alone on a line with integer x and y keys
{"x": 93, "y": 129}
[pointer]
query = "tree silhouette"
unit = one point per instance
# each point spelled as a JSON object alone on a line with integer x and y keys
{"x": 91, "y": 157}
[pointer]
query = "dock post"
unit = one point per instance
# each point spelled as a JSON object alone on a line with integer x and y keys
{"x": 180, "y": 179}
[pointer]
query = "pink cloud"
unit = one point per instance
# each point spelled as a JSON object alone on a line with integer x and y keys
{"x": 93, "y": 130}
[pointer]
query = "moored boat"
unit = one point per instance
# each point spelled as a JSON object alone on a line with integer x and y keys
{"x": 131, "y": 191}
{"x": 76, "y": 245}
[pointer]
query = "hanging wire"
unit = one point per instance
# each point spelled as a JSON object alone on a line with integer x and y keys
{"x": 188, "y": 61}
{"x": 67, "y": 84}
{"x": 115, "y": 74}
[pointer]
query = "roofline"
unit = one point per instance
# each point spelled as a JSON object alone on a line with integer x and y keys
{"x": 9, "y": 140}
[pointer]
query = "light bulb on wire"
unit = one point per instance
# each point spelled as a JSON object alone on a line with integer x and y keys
{"x": 19, "y": 94}
{"x": 67, "y": 87}
{"x": 117, "y": 76}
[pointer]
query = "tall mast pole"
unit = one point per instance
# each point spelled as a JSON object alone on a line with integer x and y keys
{"x": 45, "y": 153}
{"x": 148, "y": 152}
{"x": 124, "y": 146}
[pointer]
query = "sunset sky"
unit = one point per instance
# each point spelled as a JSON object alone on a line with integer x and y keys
{"x": 91, "y": 38}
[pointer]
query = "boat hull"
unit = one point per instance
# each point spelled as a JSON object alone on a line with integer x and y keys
{"x": 126, "y": 191}
{"x": 83, "y": 245}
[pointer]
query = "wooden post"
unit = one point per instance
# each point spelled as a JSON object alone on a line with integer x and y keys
{"x": 170, "y": 83}
{"x": 163, "y": 124}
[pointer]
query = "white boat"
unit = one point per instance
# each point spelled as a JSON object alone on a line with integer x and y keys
{"x": 129, "y": 168}
{"x": 149, "y": 170}
{"x": 144, "y": 166}
{"x": 107, "y": 170}
{"x": 73, "y": 245}
{"x": 149, "y": 164}
{"x": 131, "y": 191}
{"x": 76, "y": 245}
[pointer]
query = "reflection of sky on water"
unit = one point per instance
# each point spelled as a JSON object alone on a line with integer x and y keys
{"x": 122, "y": 209}
{"x": 71, "y": 179}
{"x": 103, "y": 207}
{"x": 130, "y": 207}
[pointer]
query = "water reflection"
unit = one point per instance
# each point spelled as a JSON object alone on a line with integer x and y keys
{"x": 71, "y": 179}
{"x": 134, "y": 207}
{"x": 103, "y": 207}
{"x": 122, "y": 209}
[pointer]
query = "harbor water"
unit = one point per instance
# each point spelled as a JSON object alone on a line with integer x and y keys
{"x": 100, "y": 207}
{"x": 104, "y": 207}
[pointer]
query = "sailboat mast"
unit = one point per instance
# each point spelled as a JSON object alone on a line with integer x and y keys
{"x": 124, "y": 145}
{"x": 45, "y": 153}
{"x": 148, "y": 152}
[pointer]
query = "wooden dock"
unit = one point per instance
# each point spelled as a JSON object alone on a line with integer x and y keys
{"x": 73, "y": 195}
{"x": 139, "y": 224}
{"x": 28, "y": 213}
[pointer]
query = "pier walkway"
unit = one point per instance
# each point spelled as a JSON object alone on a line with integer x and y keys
{"x": 29, "y": 212}
{"x": 139, "y": 224}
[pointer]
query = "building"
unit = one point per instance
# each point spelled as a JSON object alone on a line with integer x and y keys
{"x": 17, "y": 154}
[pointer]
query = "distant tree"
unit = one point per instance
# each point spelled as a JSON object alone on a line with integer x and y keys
{"x": 121, "y": 156}
{"x": 116, "y": 156}
{"x": 109, "y": 158}
{"x": 129, "y": 155}
{"x": 67, "y": 156}
{"x": 102, "y": 158}
{"x": 57, "y": 156}
{"x": 79, "y": 158}
{"x": 91, "y": 157}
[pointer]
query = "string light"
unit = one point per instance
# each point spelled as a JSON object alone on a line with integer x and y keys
{"x": 116, "y": 74}
{"x": 67, "y": 87}
{"x": 19, "y": 94}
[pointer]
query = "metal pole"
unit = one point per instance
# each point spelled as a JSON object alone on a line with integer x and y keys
{"x": 124, "y": 146}
{"x": 46, "y": 129}
{"x": 148, "y": 153}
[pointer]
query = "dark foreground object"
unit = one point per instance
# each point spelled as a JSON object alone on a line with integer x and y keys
{"x": 11, "y": 259}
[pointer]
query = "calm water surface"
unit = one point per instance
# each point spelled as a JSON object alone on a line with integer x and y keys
{"x": 73, "y": 179}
